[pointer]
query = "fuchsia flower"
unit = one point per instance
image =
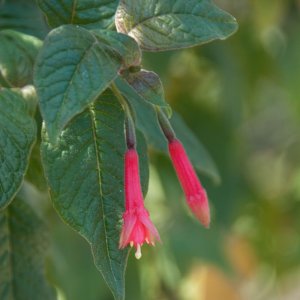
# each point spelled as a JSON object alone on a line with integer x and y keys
{"x": 137, "y": 226}
{"x": 194, "y": 192}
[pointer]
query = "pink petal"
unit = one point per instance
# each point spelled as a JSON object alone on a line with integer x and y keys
{"x": 128, "y": 226}
{"x": 194, "y": 192}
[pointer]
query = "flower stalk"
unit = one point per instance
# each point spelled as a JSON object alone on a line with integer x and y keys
{"x": 165, "y": 125}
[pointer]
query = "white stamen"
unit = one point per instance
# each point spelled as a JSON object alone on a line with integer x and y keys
{"x": 138, "y": 253}
{"x": 131, "y": 244}
{"x": 147, "y": 241}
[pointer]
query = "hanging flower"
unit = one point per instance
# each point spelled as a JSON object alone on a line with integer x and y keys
{"x": 137, "y": 227}
{"x": 194, "y": 192}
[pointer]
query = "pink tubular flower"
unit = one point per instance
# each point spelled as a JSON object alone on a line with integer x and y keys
{"x": 194, "y": 192}
{"x": 137, "y": 226}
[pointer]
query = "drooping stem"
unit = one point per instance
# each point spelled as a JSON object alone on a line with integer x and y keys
{"x": 130, "y": 132}
{"x": 129, "y": 123}
{"x": 165, "y": 125}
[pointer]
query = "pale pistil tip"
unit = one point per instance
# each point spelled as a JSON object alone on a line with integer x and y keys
{"x": 138, "y": 253}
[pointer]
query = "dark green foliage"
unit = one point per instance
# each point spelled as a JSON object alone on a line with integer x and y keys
{"x": 79, "y": 82}
{"x": 23, "y": 245}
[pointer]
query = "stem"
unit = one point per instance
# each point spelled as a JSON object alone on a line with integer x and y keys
{"x": 130, "y": 132}
{"x": 129, "y": 123}
{"x": 165, "y": 125}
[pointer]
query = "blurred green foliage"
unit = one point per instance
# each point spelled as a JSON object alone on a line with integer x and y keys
{"x": 241, "y": 98}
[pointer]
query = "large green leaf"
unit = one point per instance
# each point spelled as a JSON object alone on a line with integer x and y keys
{"x": 88, "y": 13}
{"x": 85, "y": 174}
{"x": 172, "y": 24}
{"x": 17, "y": 55}
{"x": 23, "y": 244}
{"x": 74, "y": 67}
{"x": 24, "y": 16}
{"x": 17, "y": 136}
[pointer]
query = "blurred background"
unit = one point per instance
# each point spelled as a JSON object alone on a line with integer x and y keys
{"x": 241, "y": 99}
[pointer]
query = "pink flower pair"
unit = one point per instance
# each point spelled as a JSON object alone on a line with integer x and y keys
{"x": 137, "y": 227}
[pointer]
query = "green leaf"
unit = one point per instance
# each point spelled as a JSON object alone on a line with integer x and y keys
{"x": 17, "y": 55}
{"x": 149, "y": 86}
{"x": 197, "y": 153}
{"x": 89, "y": 13}
{"x": 23, "y": 244}
{"x": 23, "y": 16}
{"x": 17, "y": 136}
{"x": 74, "y": 67}
{"x": 173, "y": 24}
{"x": 85, "y": 174}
